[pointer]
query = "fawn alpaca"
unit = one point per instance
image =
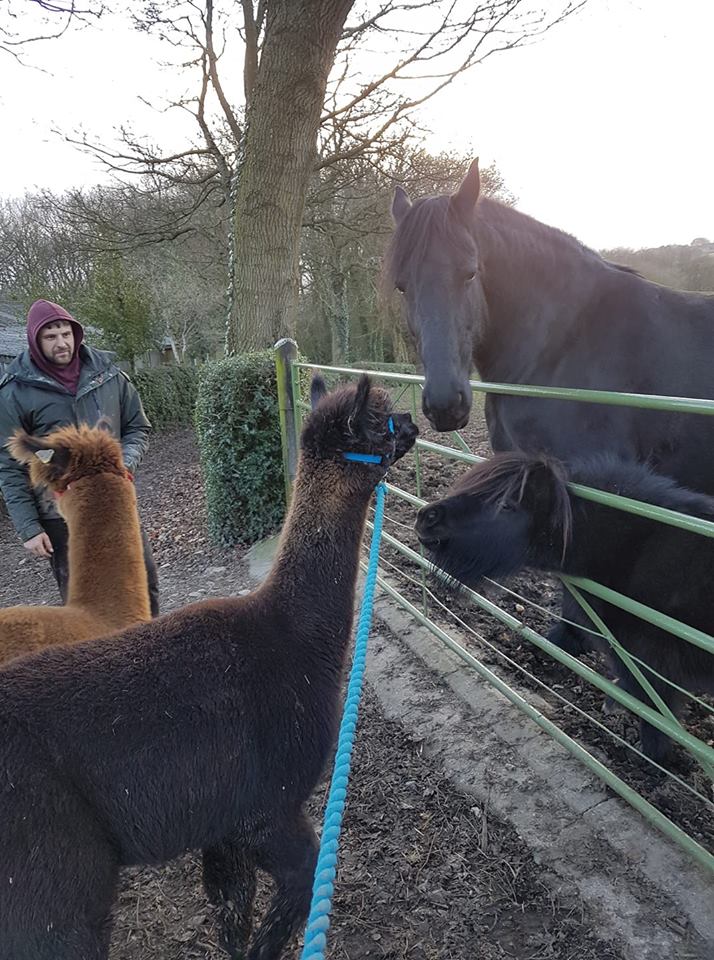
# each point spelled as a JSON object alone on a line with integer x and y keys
{"x": 516, "y": 511}
{"x": 108, "y": 588}
{"x": 205, "y": 728}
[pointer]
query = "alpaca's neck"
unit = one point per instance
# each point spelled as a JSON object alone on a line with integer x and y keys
{"x": 107, "y": 573}
{"x": 316, "y": 568}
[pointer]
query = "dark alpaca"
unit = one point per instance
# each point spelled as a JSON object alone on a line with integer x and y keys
{"x": 206, "y": 728}
{"x": 487, "y": 286}
{"x": 83, "y": 468}
{"x": 516, "y": 511}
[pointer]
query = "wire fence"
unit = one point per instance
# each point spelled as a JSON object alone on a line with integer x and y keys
{"x": 403, "y": 576}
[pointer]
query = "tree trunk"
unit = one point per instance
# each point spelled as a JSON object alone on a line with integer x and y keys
{"x": 299, "y": 47}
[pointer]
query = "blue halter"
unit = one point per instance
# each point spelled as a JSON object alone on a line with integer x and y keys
{"x": 368, "y": 457}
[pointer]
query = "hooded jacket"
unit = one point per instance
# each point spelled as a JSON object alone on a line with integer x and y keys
{"x": 38, "y": 403}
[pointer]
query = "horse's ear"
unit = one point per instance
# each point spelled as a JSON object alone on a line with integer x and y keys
{"x": 464, "y": 200}
{"x": 400, "y": 204}
{"x": 545, "y": 492}
{"x": 360, "y": 403}
{"x": 548, "y": 499}
{"x": 318, "y": 390}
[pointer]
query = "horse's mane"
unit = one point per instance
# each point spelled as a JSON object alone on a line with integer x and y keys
{"x": 428, "y": 220}
{"x": 639, "y": 481}
{"x": 505, "y": 478}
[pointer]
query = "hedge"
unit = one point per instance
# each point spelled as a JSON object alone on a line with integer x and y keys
{"x": 168, "y": 394}
{"x": 238, "y": 428}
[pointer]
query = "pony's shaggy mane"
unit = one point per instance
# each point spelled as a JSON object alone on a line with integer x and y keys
{"x": 505, "y": 478}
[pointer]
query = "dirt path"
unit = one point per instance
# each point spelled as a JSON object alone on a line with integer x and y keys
{"x": 424, "y": 871}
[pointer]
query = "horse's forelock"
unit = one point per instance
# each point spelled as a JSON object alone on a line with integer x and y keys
{"x": 427, "y": 220}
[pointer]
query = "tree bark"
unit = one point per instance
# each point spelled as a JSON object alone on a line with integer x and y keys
{"x": 299, "y": 45}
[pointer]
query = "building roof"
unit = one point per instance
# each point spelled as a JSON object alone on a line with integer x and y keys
{"x": 13, "y": 340}
{"x": 11, "y": 313}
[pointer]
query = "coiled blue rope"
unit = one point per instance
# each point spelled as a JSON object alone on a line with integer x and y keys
{"x": 324, "y": 883}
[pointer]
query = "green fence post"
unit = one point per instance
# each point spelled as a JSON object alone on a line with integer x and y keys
{"x": 286, "y": 352}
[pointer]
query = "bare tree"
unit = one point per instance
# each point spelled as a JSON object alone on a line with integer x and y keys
{"x": 319, "y": 90}
{"x": 50, "y": 20}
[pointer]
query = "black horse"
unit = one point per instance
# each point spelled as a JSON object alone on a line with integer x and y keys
{"x": 516, "y": 511}
{"x": 486, "y": 285}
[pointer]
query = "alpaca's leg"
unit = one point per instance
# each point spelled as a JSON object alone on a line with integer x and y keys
{"x": 289, "y": 856}
{"x": 229, "y": 879}
{"x": 152, "y": 574}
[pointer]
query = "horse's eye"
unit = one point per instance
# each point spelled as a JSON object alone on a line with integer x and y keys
{"x": 470, "y": 276}
{"x": 399, "y": 287}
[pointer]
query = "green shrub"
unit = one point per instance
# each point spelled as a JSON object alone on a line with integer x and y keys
{"x": 168, "y": 394}
{"x": 238, "y": 427}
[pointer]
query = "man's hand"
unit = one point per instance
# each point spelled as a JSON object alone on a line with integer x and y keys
{"x": 40, "y": 546}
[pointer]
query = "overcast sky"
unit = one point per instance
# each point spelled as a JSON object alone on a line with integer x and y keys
{"x": 604, "y": 128}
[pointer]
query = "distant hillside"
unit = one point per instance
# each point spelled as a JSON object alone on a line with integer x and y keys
{"x": 689, "y": 267}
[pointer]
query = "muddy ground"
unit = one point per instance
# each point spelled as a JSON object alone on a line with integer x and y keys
{"x": 425, "y": 872}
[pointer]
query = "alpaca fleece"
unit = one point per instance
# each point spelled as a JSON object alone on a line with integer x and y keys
{"x": 108, "y": 588}
{"x": 206, "y": 728}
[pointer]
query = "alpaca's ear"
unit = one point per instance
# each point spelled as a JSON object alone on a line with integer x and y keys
{"x": 360, "y": 404}
{"x": 24, "y": 448}
{"x": 318, "y": 390}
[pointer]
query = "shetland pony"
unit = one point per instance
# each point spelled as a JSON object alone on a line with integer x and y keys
{"x": 516, "y": 510}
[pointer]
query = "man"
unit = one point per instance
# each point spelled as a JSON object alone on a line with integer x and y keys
{"x": 59, "y": 380}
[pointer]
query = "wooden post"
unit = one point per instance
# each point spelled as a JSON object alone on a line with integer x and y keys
{"x": 285, "y": 355}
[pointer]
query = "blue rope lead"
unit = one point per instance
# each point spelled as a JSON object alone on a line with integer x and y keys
{"x": 324, "y": 883}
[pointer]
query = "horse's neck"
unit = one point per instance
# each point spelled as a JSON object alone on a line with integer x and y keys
{"x": 316, "y": 567}
{"x": 107, "y": 574}
{"x": 536, "y": 281}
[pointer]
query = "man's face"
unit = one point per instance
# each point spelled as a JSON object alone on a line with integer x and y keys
{"x": 56, "y": 341}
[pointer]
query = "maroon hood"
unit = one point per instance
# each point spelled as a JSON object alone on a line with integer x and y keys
{"x": 42, "y": 312}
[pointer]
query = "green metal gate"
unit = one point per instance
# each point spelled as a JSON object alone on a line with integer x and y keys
{"x": 292, "y": 407}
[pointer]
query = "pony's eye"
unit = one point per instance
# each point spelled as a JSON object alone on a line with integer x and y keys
{"x": 399, "y": 287}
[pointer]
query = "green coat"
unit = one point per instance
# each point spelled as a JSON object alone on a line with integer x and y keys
{"x": 36, "y": 403}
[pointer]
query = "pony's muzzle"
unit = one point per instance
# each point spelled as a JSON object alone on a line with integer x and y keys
{"x": 430, "y": 527}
